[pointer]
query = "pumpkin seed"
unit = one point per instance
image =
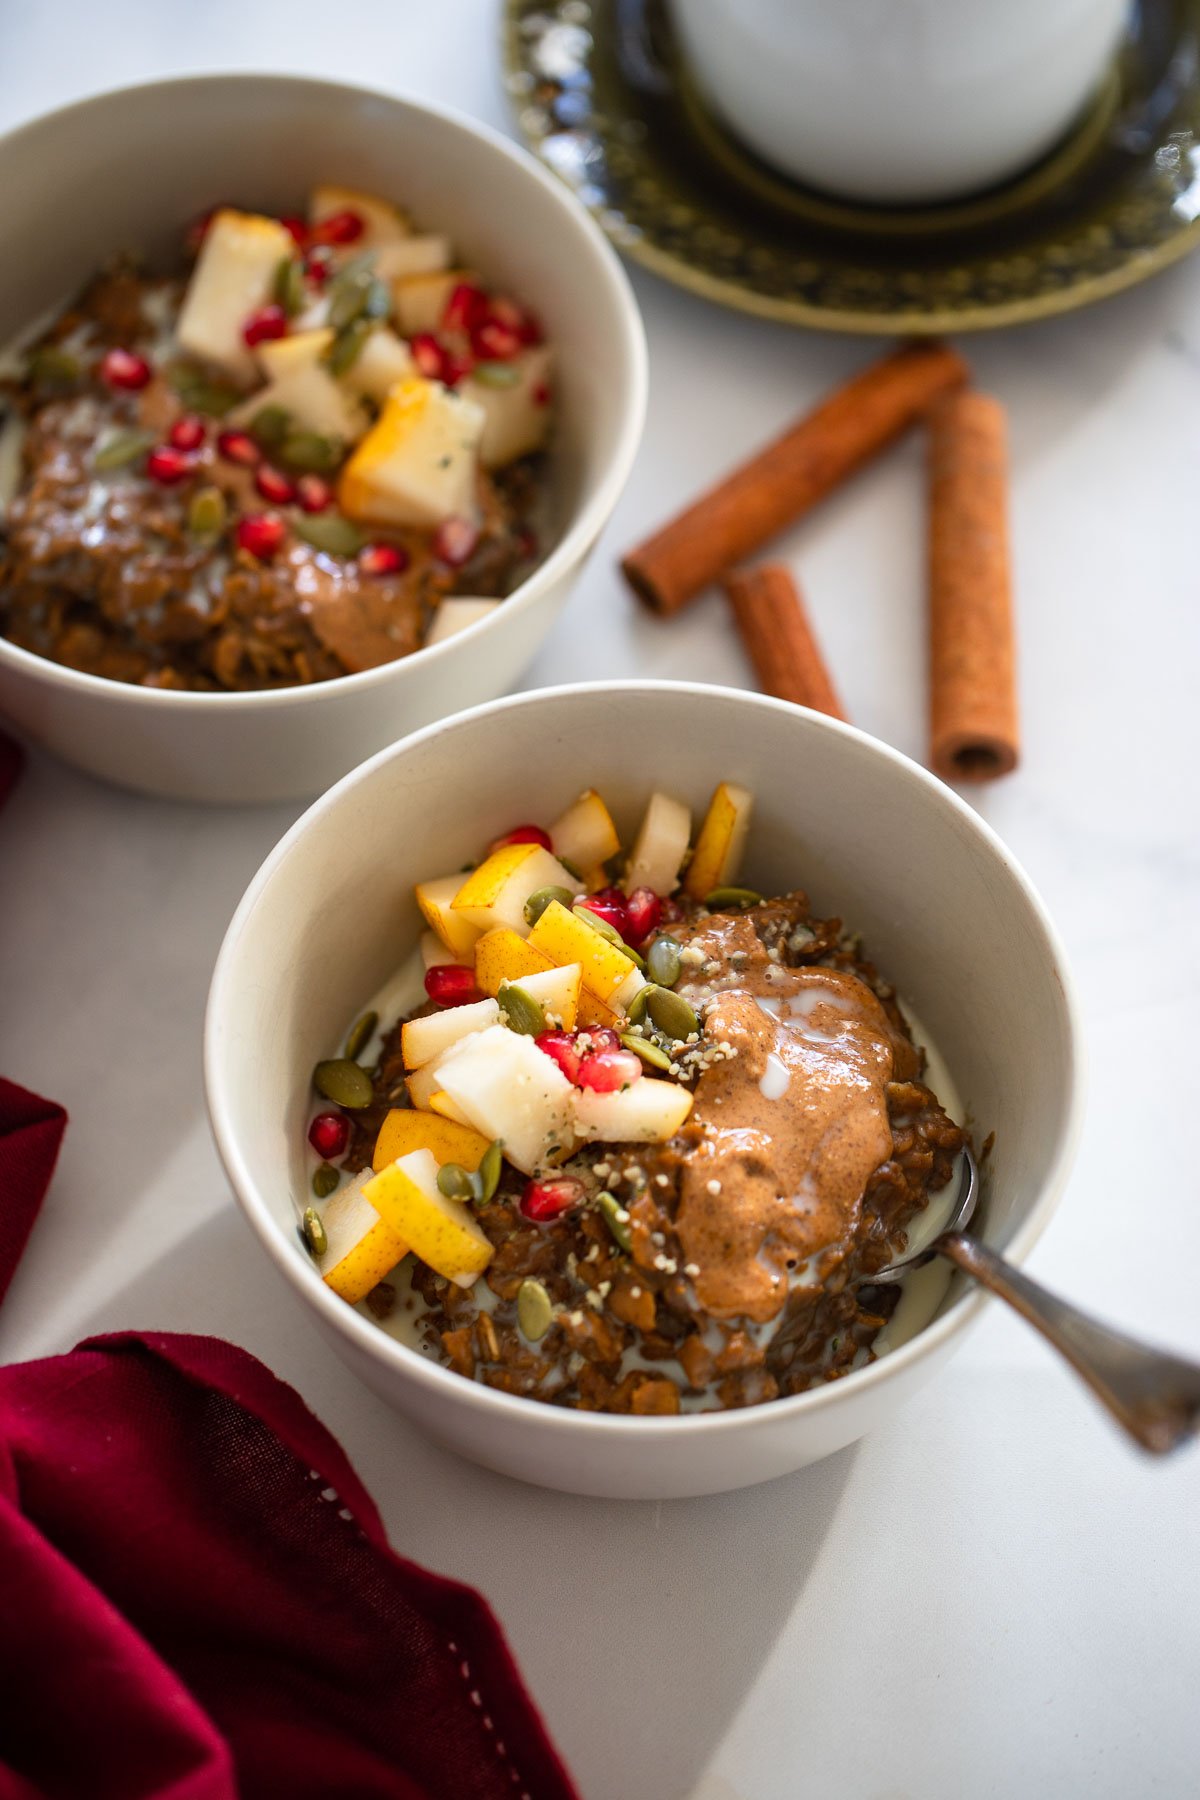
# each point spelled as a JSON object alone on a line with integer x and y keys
{"x": 534, "y": 1311}
{"x": 51, "y": 367}
{"x": 360, "y": 1036}
{"x": 312, "y": 452}
{"x": 324, "y": 1180}
{"x": 663, "y": 964}
{"x": 122, "y": 448}
{"x": 379, "y": 300}
{"x": 270, "y": 425}
{"x": 541, "y": 898}
{"x": 617, "y": 1220}
{"x": 289, "y": 286}
{"x": 207, "y": 512}
{"x": 520, "y": 1011}
{"x": 609, "y": 933}
{"x": 635, "y": 1012}
{"x": 495, "y": 374}
{"x": 671, "y": 1013}
{"x": 314, "y": 1231}
{"x": 347, "y": 346}
{"x": 457, "y": 1183}
{"x": 491, "y": 1165}
{"x": 355, "y": 292}
{"x": 724, "y": 899}
{"x": 652, "y": 1054}
{"x": 331, "y": 532}
{"x": 343, "y": 1082}
{"x": 199, "y": 392}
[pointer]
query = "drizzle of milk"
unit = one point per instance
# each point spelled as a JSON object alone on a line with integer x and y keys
{"x": 775, "y": 1079}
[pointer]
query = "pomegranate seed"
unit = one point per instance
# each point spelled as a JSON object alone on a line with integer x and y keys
{"x": 262, "y": 534}
{"x": 455, "y": 368}
{"x": 329, "y": 1134}
{"x": 643, "y": 912}
{"x": 530, "y": 329}
{"x": 559, "y": 1046}
{"x": 339, "y": 228}
{"x": 187, "y": 433}
{"x": 672, "y": 911}
{"x": 383, "y": 559}
{"x": 318, "y": 267}
{"x": 466, "y": 308}
{"x": 454, "y": 541}
{"x": 451, "y": 985}
{"x": 607, "y": 1071}
{"x": 599, "y": 1037}
{"x": 125, "y": 369}
{"x": 541, "y": 394}
{"x": 506, "y": 312}
{"x": 297, "y": 227}
{"x": 428, "y": 355}
{"x": 522, "y": 834}
{"x": 263, "y": 326}
{"x": 609, "y": 905}
{"x": 546, "y": 1200}
{"x": 494, "y": 343}
{"x": 197, "y": 231}
{"x": 274, "y": 486}
{"x": 167, "y": 466}
{"x": 239, "y": 447}
{"x": 313, "y": 494}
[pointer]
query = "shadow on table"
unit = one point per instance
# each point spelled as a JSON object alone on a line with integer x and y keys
{"x": 641, "y": 1626}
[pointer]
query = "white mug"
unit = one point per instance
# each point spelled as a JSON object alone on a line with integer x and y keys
{"x": 899, "y": 101}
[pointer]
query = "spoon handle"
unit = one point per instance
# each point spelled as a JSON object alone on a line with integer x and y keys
{"x": 1154, "y": 1396}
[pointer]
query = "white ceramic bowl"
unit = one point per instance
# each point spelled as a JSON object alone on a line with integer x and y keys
{"x": 128, "y": 170}
{"x": 942, "y": 906}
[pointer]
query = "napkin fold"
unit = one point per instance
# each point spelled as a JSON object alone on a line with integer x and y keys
{"x": 197, "y": 1597}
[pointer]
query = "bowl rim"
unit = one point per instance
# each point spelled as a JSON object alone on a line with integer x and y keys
{"x": 444, "y": 1383}
{"x": 587, "y": 521}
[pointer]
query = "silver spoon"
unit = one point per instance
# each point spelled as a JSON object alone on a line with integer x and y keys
{"x": 1153, "y": 1395}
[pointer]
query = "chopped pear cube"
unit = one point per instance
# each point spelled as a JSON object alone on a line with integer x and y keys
{"x": 455, "y": 614}
{"x": 413, "y": 256}
{"x": 504, "y": 955}
{"x": 557, "y": 991}
{"x": 517, "y": 416}
{"x": 660, "y": 846}
{"x": 434, "y": 954}
{"x": 385, "y": 224}
{"x": 622, "y": 997}
{"x": 646, "y": 1112}
{"x": 426, "y": 1095}
{"x": 591, "y": 1011}
{"x": 313, "y": 401}
{"x": 234, "y": 276}
{"x": 441, "y": 1232}
{"x": 423, "y": 1039}
{"x": 361, "y": 1248}
{"x": 585, "y": 833}
{"x": 495, "y": 893}
{"x": 565, "y": 939}
{"x": 420, "y": 300}
{"x": 383, "y": 360}
{"x": 718, "y": 852}
{"x": 299, "y": 350}
{"x": 417, "y": 465}
{"x": 509, "y": 1089}
{"x": 404, "y": 1130}
{"x": 435, "y": 901}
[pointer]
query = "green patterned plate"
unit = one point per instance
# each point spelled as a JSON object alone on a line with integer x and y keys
{"x": 601, "y": 97}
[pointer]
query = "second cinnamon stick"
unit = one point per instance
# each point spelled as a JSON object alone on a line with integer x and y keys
{"x": 779, "y": 640}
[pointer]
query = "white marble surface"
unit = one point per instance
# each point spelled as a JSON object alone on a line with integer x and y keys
{"x": 993, "y": 1596}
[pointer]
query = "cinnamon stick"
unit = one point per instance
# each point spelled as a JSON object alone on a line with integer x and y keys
{"x": 972, "y": 669}
{"x": 791, "y": 475}
{"x": 779, "y": 639}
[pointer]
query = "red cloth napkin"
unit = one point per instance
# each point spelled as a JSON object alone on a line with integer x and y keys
{"x": 197, "y": 1598}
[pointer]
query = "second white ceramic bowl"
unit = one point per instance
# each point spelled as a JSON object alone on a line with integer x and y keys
{"x": 943, "y": 908}
{"x": 127, "y": 171}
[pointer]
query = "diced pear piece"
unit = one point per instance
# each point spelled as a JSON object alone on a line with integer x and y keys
{"x": 362, "y": 1249}
{"x": 504, "y": 955}
{"x": 591, "y": 1011}
{"x": 718, "y": 853}
{"x": 565, "y": 939}
{"x": 420, "y": 300}
{"x": 383, "y": 360}
{"x": 413, "y": 256}
{"x": 426, "y": 1096}
{"x": 455, "y": 614}
{"x": 622, "y": 998}
{"x": 557, "y": 991}
{"x": 423, "y": 1039}
{"x": 442, "y": 1104}
{"x": 313, "y": 401}
{"x": 441, "y": 1232}
{"x": 660, "y": 846}
{"x": 434, "y": 954}
{"x": 509, "y": 1089}
{"x": 517, "y": 416}
{"x": 647, "y": 1112}
{"x": 495, "y": 893}
{"x": 299, "y": 350}
{"x": 417, "y": 464}
{"x": 384, "y": 223}
{"x": 585, "y": 833}
{"x": 234, "y": 276}
{"x": 404, "y": 1130}
{"x": 455, "y": 930}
